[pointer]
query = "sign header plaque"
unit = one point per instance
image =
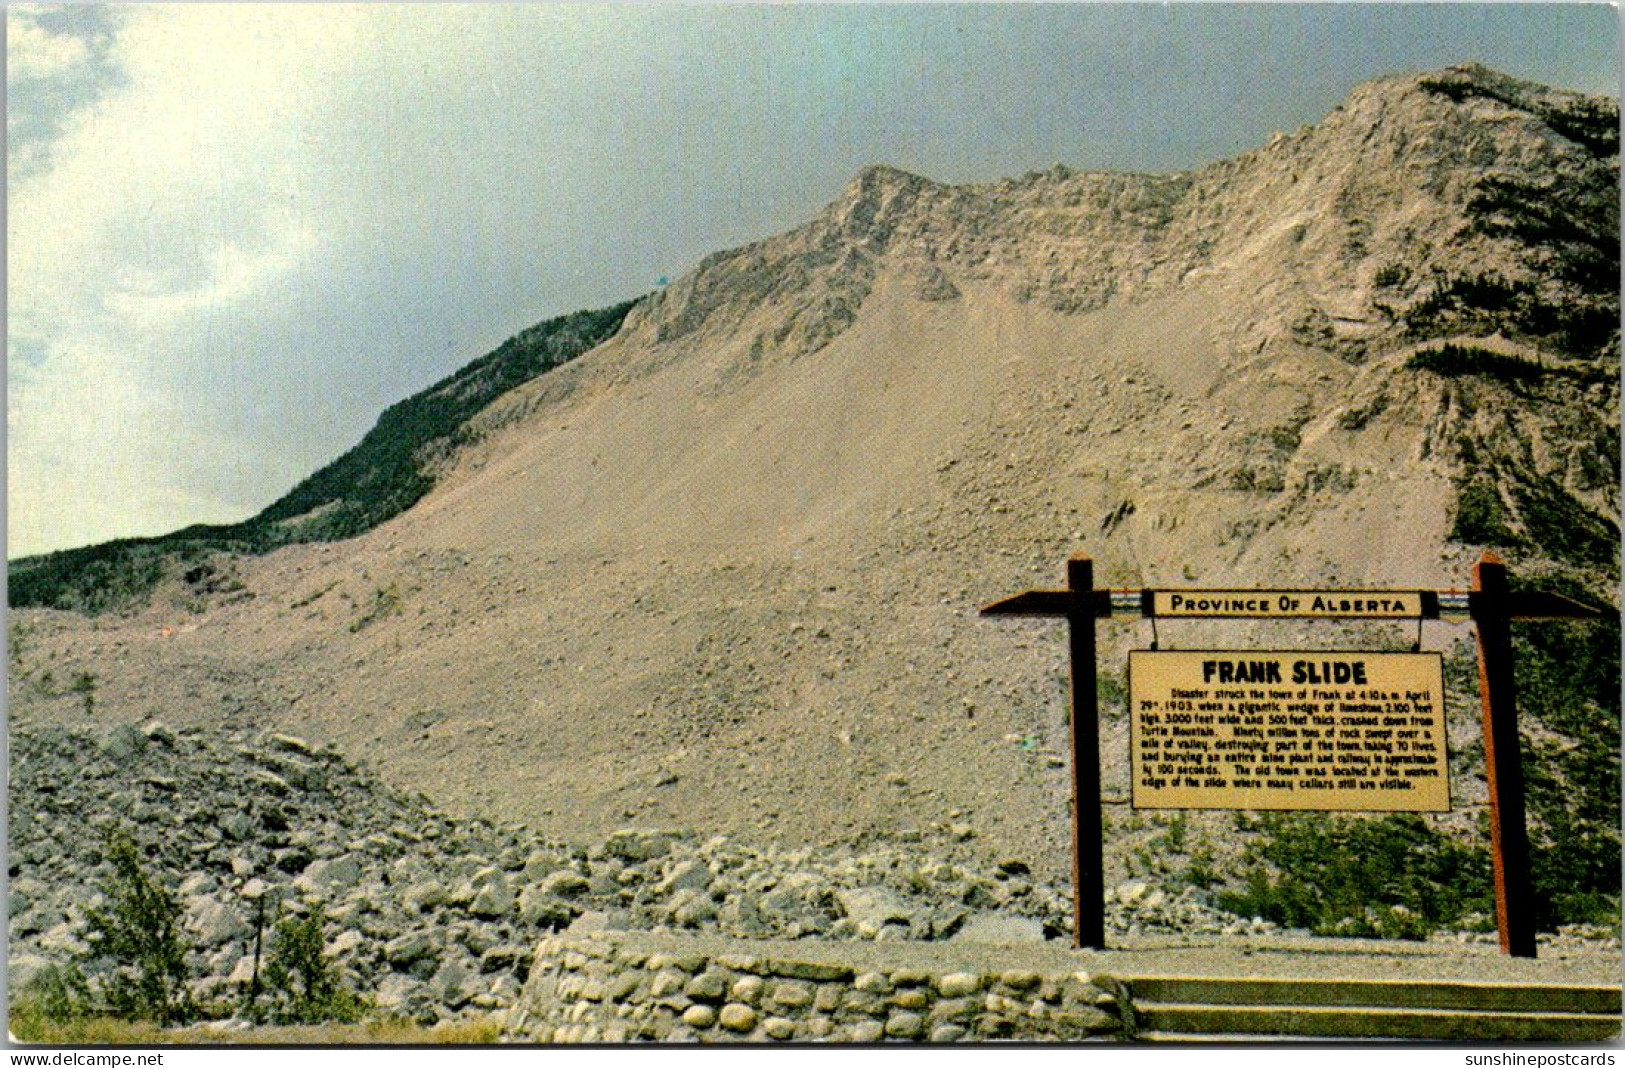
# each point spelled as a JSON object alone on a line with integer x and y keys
{"x": 1287, "y": 604}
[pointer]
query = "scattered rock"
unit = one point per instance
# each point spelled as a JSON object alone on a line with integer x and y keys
{"x": 873, "y": 907}
{"x": 566, "y": 883}
{"x": 686, "y": 875}
{"x": 409, "y": 948}
{"x": 422, "y": 911}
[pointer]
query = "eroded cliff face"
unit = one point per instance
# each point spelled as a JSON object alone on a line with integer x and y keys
{"x": 1322, "y": 219}
{"x": 723, "y": 571}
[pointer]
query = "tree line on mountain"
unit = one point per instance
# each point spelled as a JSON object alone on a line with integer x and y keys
{"x": 382, "y": 476}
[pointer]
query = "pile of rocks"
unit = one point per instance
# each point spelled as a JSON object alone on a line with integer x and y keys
{"x": 435, "y": 917}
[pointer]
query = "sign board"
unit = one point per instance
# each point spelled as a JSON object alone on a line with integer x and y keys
{"x": 1287, "y": 604}
{"x": 1288, "y": 730}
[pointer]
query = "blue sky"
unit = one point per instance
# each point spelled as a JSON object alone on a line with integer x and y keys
{"x": 236, "y": 234}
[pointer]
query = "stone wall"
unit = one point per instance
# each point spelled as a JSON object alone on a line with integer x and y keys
{"x": 606, "y": 987}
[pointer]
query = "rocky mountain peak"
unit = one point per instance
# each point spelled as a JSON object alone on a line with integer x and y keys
{"x": 1386, "y": 178}
{"x": 724, "y": 569}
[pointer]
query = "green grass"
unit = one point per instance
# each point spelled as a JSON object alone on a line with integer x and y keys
{"x": 29, "y": 1024}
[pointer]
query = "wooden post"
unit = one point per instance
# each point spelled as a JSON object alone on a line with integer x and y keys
{"x": 1503, "y": 764}
{"x": 1080, "y": 604}
{"x": 1088, "y": 876}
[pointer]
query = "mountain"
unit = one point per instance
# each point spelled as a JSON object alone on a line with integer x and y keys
{"x": 387, "y": 472}
{"x": 723, "y": 569}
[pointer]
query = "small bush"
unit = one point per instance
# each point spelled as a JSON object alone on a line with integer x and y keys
{"x": 301, "y": 985}
{"x": 1563, "y": 527}
{"x": 84, "y": 684}
{"x": 1390, "y": 877}
{"x": 54, "y": 993}
{"x": 386, "y": 601}
{"x": 136, "y": 939}
{"x": 1481, "y": 516}
{"x": 1391, "y": 275}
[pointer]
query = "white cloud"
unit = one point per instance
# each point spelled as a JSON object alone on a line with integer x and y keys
{"x": 35, "y": 53}
{"x": 293, "y": 212}
{"x": 168, "y": 209}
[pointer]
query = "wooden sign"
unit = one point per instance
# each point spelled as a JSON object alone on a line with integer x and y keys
{"x": 1492, "y": 606}
{"x": 1288, "y": 730}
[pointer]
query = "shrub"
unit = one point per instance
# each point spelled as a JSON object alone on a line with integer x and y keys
{"x": 136, "y": 938}
{"x": 1389, "y": 877}
{"x": 300, "y": 983}
{"x": 1391, "y": 275}
{"x": 1481, "y": 516}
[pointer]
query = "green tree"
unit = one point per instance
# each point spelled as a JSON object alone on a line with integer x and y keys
{"x": 301, "y": 984}
{"x": 135, "y": 939}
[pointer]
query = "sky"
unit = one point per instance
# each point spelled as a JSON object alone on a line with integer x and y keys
{"x": 235, "y": 234}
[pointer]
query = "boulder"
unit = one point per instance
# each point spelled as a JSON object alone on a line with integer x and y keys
{"x": 638, "y": 845}
{"x": 566, "y": 883}
{"x": 873, "y": 907}
{"x": 409, "y": 948}
{"x": 330, "y": 876}
{"x": 212, "y": 922}
{"x": 539, "y": 908}
{"x": 1000, "y": 929}
{"x": 691, "y": 908}
{"x": 685, "y": 875}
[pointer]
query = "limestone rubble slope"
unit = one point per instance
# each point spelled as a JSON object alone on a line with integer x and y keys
{"x": 723, "y": 572}
{"x": 433, "y": 917}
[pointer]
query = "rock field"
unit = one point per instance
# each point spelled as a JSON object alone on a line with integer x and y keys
{"x": 434, "y": 917}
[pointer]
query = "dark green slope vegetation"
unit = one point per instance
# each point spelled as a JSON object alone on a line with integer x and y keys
{"x": 385, "y": 474}
{"x": 1559, "y": 302}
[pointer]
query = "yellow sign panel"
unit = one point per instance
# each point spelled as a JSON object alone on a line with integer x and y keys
{"x": 1288, "y": 730}
{"x": 1288, "y": 604}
